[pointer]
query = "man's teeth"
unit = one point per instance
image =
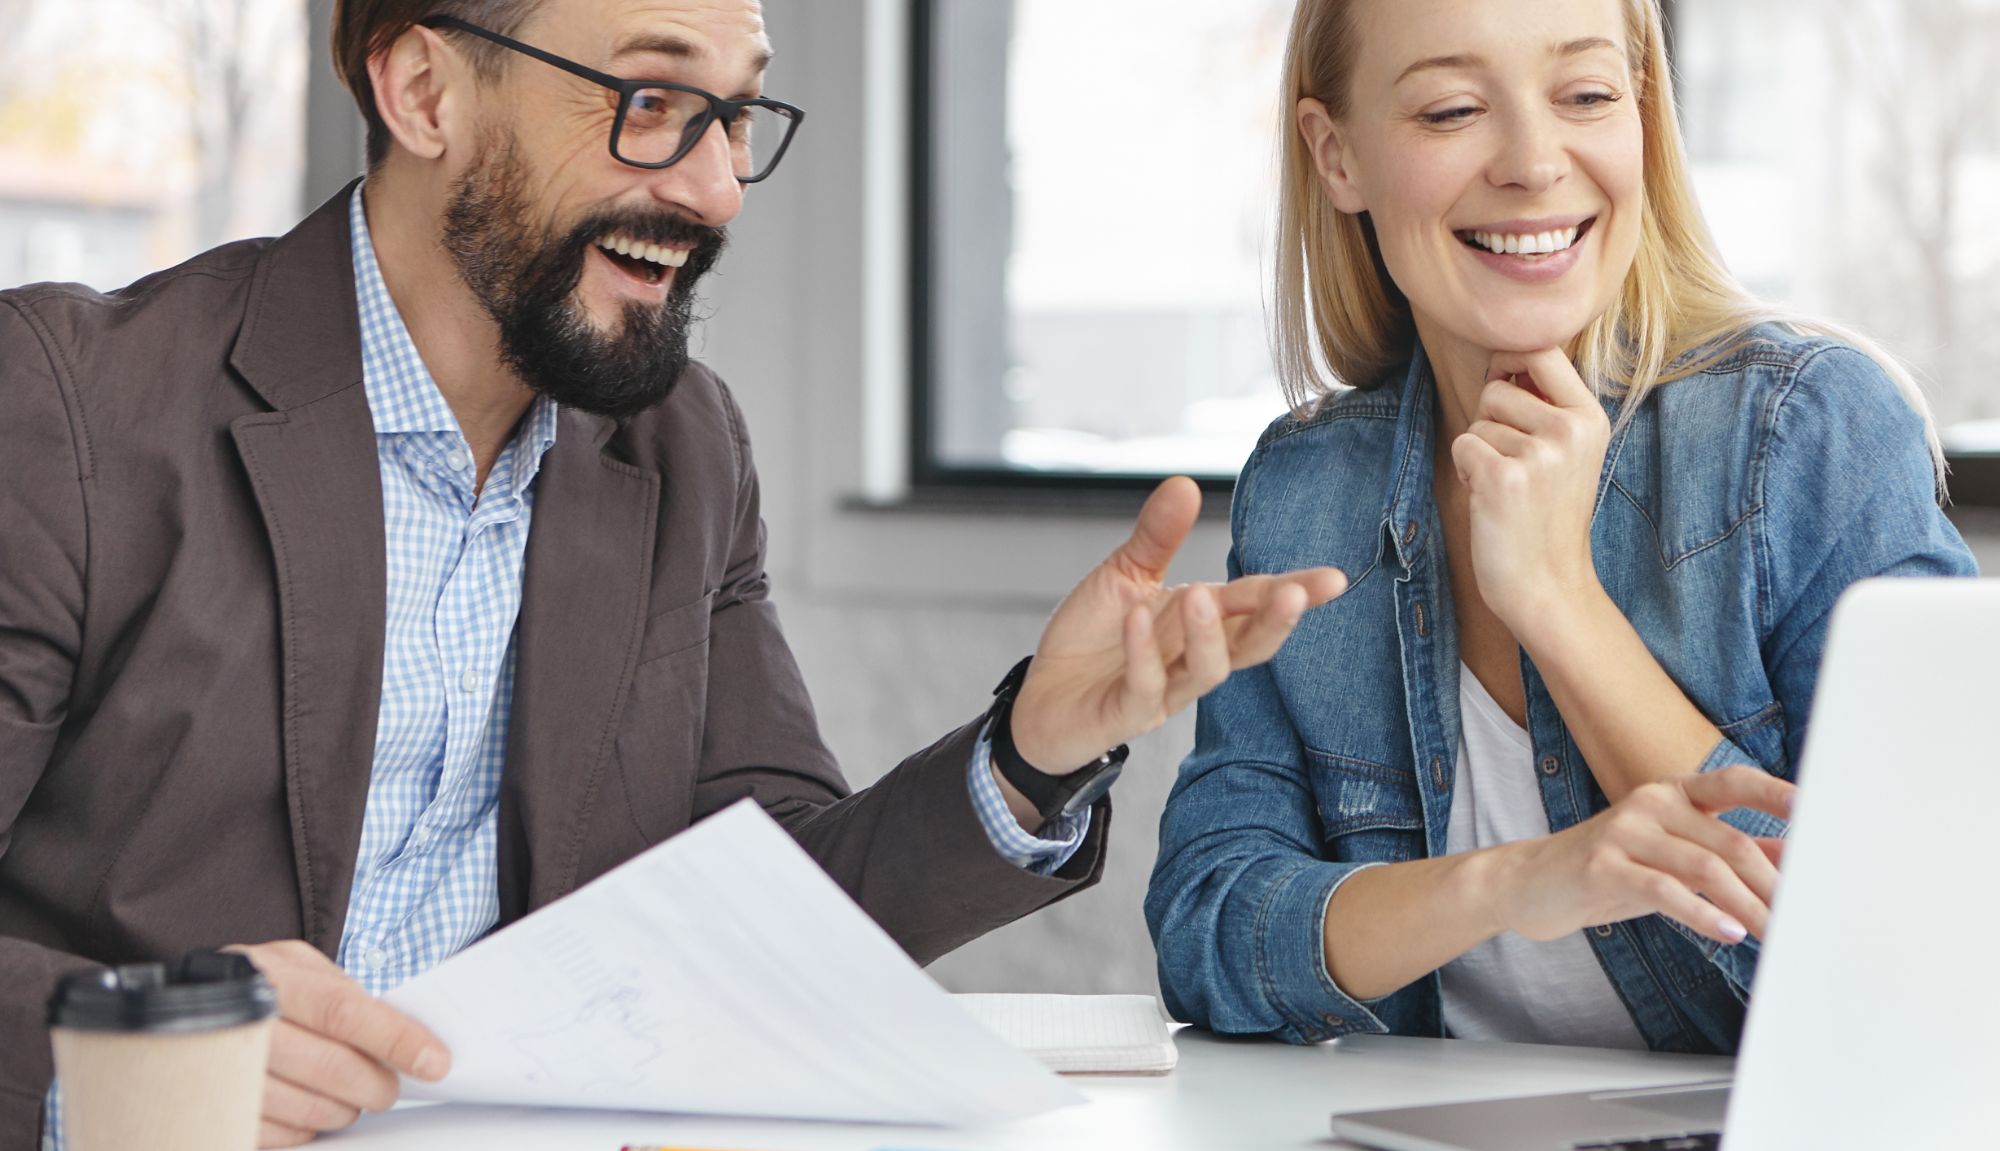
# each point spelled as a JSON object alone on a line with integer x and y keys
{"x": 1534, "y": 244}
{"x": 665, "y": 257}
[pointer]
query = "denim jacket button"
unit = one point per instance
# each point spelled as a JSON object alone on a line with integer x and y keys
{"x": 1410, "y": 533}
{"x": 1603, "y": 930}
{"x": 1551, "y": 765}
{"x": 1332, "y": 1020}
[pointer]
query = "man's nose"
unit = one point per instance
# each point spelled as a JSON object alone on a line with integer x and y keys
{"x": 702, "y": 185}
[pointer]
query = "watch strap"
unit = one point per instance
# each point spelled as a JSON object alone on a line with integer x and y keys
{"x": 1052, "y": 795}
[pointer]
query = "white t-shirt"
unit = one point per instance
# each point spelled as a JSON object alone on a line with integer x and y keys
{"x": 1511, "y": 987}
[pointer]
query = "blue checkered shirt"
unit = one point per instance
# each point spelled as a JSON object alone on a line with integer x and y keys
{"x": 425, "y": 877}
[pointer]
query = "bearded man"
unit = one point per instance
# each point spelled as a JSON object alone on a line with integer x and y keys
{"x": 368, "y": 588}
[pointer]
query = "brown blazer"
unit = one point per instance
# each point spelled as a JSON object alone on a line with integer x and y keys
{"x": 191, "y": 640}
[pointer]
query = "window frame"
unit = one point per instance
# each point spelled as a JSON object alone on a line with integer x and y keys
{"x": 1975, "y": 477}
{"x": 930, "y": 479}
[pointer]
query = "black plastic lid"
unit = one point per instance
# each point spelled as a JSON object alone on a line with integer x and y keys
{"x": 200, "y": 991}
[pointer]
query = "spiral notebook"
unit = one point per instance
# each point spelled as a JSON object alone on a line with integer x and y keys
{"x": 1082, "y": 1034}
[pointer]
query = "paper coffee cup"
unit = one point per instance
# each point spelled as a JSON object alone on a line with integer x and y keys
{"x": 163, "y": 1056}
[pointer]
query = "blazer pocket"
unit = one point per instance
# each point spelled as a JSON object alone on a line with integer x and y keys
{"x": 675, "y": 630}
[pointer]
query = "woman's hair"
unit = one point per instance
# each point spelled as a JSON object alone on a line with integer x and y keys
{"x": 1680, "y": 309}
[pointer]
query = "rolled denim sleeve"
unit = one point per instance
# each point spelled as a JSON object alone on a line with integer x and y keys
{"x": 1238, "y": 897}
{"x": 1737, "y": 962}
{"x": 1848, "y": 493}
{"x": 1237, "y": 903}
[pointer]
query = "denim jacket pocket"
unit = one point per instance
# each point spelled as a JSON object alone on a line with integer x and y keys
{"x": 1676, "y": 959}
{"x": 1370, "y": 811}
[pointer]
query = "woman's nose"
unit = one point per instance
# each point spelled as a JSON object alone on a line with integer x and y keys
{"x": 1530, "y": 154}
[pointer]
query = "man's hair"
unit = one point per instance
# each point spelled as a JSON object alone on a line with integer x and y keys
{"x": 363, "y": 28}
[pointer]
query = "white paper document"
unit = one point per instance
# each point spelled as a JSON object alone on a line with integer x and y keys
{"x": 720, "y": 973}
{"x": 1082, "y": 1034}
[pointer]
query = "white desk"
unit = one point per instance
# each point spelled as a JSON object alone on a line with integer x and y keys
{"x": 1226, "y": 1095}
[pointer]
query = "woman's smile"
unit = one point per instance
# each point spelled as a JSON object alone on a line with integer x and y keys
{"x": 1528, "y": 251}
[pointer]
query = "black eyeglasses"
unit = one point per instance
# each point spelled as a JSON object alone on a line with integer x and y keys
{"x": 659, "y": 122}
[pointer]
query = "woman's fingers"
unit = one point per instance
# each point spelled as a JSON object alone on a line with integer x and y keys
{"x": 1506, "y": 402}
{"x": 1704, "y": 873}
{"x": 1675, "y": 900}
{"x": 1732, "y": 787}
{"x": 1508, "y": 441}
{"x": 1732, "y": 847}
{"x": 1773, "y": 849}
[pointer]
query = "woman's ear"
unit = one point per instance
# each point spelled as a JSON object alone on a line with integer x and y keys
{"x": 1332, "y": 158}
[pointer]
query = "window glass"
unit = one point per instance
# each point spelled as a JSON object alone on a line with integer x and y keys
{"x": 137, "y": 133}
{"x": 1102, "y": 186}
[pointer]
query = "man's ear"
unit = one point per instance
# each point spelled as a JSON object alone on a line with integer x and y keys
{"x": 1332, "y": 159}
{"x": 416, "y": 81}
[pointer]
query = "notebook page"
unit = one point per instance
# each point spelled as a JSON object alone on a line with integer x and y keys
{"x": 1081, "y": 1033}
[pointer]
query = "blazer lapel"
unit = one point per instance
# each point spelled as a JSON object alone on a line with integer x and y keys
{"x": 313, "y": 464}
{"x": 583, "y": 611}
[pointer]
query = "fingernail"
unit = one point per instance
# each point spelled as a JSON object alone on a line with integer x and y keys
{"x": 430, "y": 1065}
{"x": 1735, "y": 931}
{"x": 1204, "y": 606}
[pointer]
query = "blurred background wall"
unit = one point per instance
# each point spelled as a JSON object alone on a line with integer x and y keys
{"x": 136, "y": 132}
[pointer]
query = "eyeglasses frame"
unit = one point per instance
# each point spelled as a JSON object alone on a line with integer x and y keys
{"x": 719, "y": 108}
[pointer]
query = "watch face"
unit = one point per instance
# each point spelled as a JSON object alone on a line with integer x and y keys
{"x": 1091, "y": 790}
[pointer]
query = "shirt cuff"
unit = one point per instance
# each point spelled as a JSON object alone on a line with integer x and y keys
{"x": 52, "y": 1133}
{"x": 1042, "y": 854}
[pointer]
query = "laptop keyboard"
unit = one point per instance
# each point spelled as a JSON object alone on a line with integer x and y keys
{"x": 1701, "y": 1141}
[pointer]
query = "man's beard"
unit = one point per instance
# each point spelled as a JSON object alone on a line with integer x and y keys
{"x": 525, "y": 278}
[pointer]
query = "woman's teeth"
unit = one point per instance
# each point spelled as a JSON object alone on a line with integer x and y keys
{"x": 1532, "y": 244}
{"x": 653, "y": 253}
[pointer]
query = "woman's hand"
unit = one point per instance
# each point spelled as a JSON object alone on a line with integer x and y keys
{"x": 1531, "y": 463}
{"x": 1659, "y": 850}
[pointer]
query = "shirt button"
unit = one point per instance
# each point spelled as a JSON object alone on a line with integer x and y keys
{"x": 1603, "y": 930}
{"x": 1551, "y": 765}
{"x": 470, "y": 680}
{"x": 376, "y": 959}
{"x": 456, "y": 461}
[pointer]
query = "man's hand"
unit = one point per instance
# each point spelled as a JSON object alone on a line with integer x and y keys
{"x": 336, "y": 1049}
{"x": 1124, "y": 652}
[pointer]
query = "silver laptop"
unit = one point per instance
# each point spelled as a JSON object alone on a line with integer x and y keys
{"x": 1876, "y": 1015}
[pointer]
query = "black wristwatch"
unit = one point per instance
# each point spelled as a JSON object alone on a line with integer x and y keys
{"x": 1052, "y": 795}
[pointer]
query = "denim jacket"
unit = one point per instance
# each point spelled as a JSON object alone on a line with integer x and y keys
{"x": 1733, "y": 509}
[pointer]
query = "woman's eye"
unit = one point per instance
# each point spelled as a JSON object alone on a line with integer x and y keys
{"x": 1595, "y": 99}
{"x": 1449, "y": 115}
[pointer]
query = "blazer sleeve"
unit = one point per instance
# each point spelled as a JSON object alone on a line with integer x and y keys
{"x": 42, "y": 556}
{"x": 910, "y": 849}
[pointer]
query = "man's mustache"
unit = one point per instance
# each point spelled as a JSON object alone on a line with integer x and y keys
{"x": 664, "y": 229}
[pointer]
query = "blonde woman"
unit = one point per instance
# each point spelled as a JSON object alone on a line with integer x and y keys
{"x": 1526, "y": 779}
